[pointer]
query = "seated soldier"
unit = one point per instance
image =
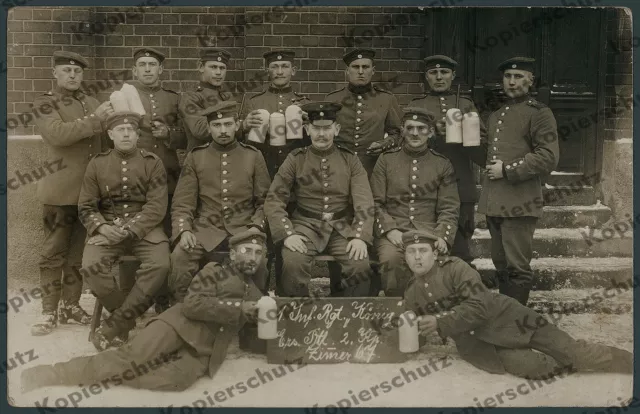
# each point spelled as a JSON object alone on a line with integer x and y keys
{"x": 220, "y": 193}
{"x": 122, "y": 203}
{"x": 184, "y": 342}
{"x": 414, "y": 188}
{"x": 334, "y": 208}
{"x": 492, "y": 331}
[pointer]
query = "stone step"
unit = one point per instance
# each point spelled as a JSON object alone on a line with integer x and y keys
{"x": 564, "y": 195}
{"x": 565, "y": 216}
{"x": 558, "y": 242}
{"x": 553, "y": 273}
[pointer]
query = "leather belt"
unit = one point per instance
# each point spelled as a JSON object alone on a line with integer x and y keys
{"x": 323, "y": 216}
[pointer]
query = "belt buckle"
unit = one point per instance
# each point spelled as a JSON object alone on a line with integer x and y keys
{"x": 327, "y": 216}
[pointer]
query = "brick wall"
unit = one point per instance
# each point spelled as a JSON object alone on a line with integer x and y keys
{"x": 108, "y": 35}
{"x": 619, "y": 100}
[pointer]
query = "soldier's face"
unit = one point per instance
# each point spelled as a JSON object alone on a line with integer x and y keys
{"x": 281, "y": 72}
{"x": 420, "y": 258}
{"x": 517, "y": 82}
{"x": 147, "y": 70}
{"x": 440, "y": 79}
{"x": 416, "y": 133}
{"x": 247, "y": 257}
{"x": 124, "y": 137}
{"x": 213, "y": 72}
{"x": 322, "y": 133}
{"x": 223, "y": 130}
{"x": 68, "y": 76}
{"x": 360, "y": 71}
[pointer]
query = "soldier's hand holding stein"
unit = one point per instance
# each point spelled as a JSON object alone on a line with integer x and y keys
{"x": 250, "y": 309}
{"x": 296, "y": 243}
{"x": 104, "y": 110}
{"x": 188, "y": 240}
{"x": 441, "y": 127}
{"x": 395, "y": 237}
{"x": 159, "y": 129}
{"x": 253, "y": 120}
{"x": 427, "y": 324}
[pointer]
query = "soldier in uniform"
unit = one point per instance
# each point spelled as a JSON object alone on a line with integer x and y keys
{"x": 334, "y": 210}
{"x": 492, "y": 331}
{"x": 183, "y": 343}
{"x": 523, "y": 150}
{"x": 370, "y": 117}
{"x": 414, "y": 188}
{"x": 122, "y": 203}
{"x": 70, "y": 125}
{"x": 276, "y": 98}
{"x": 440, "y": 71}
{"x": 221, "y": 193}
{"x": 213, "y": 71}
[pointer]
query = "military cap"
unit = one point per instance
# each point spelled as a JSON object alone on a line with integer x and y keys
{"x": 321, "y": 111}
{"x": 124, "y": 117}
{"x": 215, "y": 54}
{"x": 149, "y": 52}
{"x": 63, "y": 57}
{"x": 359, "y": 54}
{"x": 440, "y": 61}
{"x": 522, "y": 63}
{"x": 419, "y": 114}
{"x": 418, "y": 236}
{"x": 248, "y": 237}
{"x": 277, "y": 55}
{"x": 223, "y": 109}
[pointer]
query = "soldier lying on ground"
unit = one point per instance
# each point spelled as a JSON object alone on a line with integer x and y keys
{"x": 183, "y": 343}
{"x": 490, "y": 329}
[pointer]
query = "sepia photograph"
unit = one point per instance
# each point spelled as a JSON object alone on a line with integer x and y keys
{"x": 321, "y": 207}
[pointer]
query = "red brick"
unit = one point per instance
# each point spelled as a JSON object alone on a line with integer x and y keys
{"x": 188, "y": 64}
{"x": 254, "y": 40}
{"x": 170, "y": 18}
{"x": 309, "y": 64}
{"x": 133, "y": 41}
{"x": 15, "y": 50}
{"x": 39, "y": 50}
{"x": 300, "y": 29}
{"x": 81, "y": 15}
{"x": 15, "y": 26}
{"x": 153, "y": 29}
{"x": 327, "y": 41}
{"x": 61, "y": 14}
{"x": 151, "y": 41}
{"x": 255, "y": 29}
{"x": 225, "y": 19}
{"x": 15, "y": 97}
{"x": 309, "y": 40}
{"x": 37, "y": 73}
{"x": 114, "y": 63}
{"x": 23, "y": 37}
{"x": 274, "y": 41}
{"x": 23, "y": 84}
{"x": 329, "y": 30}
{"x": 325, "y": 88}
{"x": 46, "y": 27}
{"x": 239, "y": 42}
{"x": 309, "y": 88}
{"x": 207, "y": 19}
{"x": 291, "y": 41}
{"x": 390, "y": 53}
{"x": 41, "y": 85}
{"x": 327, "y": 18}
{"x": 187, "y": 41}
{"x": 183, "y": 30}
{"x": 41, "y": 14}
{"x": 113, "y": 51}
{"x": 184, "y": 53}
{"x": 188, "y": 19}
{"x": 60, "y": 39}
{"x": 15, "y": 73}
{"x": 346, "y": 19}
{"x": 42, "y": 38}
{"x": 42, "y": 62}
{"x": 21, "y": 62}
{"x": 327, "y": 65}
{"x": 309, "y": 18}
{"x": 325, "y": 52}
{"x": 362, "y": 18}
{"x": 172, "y": 63}
{"x": 253, "y": 63}
{"x": 20, "y": 13}
{"x": 411, "y": 31}
{"x": 152, "y": 18}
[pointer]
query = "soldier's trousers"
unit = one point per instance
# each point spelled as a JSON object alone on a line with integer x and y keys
{"x": 185, "y": 265}
{"x": 100, "y": 268}
{"x": 61, "y": 252}
{"x": 156, "y": 359}
{"x": 466, "y": 225}
{"x": 558, "y": 353}
{"x": 296, "y": 272}
{"x": 512, "y": 248}
{"x": 393, "y": 267}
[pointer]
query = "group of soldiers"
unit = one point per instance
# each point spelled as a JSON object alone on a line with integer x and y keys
{"x": 367, "y": 178}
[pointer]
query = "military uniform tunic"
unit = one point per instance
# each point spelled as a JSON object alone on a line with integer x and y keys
{"x": 367, "y": 114}
{"x": 330, "y": 182}
{"x": 276, "y": 100}
{"x": 221, "y": 192}
{"x": 72, "y": 135}
{"x": 177, "y": 347}
{"x": 162, "y": 105}
{"x": 191, "y": 104}
{"x": 486, "y": 325}
{"x": 133, "y": 187}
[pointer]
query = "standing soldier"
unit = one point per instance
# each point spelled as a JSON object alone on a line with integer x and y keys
{"x": 276, "y": 98}
{"x": 440, "y": 73}
{"x": 414, "y": 188}
{"x": 122, "y": 204}
{"x": 370, "y": 116}
{"x": 523, "y": 150}
{"x": 213, "y": 71}
{"x": 70, "y": 125}
{"x": 221, "y": 193}
{"x": 333, "y": 212}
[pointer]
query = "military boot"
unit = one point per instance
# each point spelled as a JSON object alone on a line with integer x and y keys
{"x": 72, "y": 312}
{"x": 38, "y": 377}
{"x": 45, "y": 324}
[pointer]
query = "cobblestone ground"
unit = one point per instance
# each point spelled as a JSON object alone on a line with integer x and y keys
{"x": 458, "y": 384}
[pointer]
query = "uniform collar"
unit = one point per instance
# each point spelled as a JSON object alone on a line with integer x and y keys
{"x": 445, "y": 93}
{"x": 207, "y": 85}
{"x": 224, "y": 148}
{"x": 513, "y": 101}
{"x": 66, "y": 92}
{"x": 413, "y": 153}
{"x": 125, "y": 155}
{"x": 144, "y": 88}
{"x": 322, "y": 153}
{"x": 429, "y": 275}
{"x": 360, "y": 88}
{"x": 273, "y": 89}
